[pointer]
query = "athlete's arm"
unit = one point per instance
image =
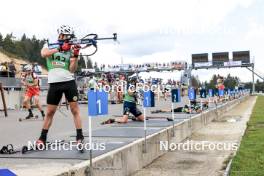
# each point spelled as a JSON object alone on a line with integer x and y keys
{"x": 73, "y": 64}
{"x": 35, "y": 82}
{"x": 46, "y": 52}
{"x": 74, "y": 58}
{"x": 23, "y": 82}
{"x": 131, "y": 92}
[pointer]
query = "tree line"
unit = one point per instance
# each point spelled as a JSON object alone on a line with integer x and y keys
{"x": 24, "y": 48}
{"x": 259, "y": 86}
{"x": 229, "y": 82}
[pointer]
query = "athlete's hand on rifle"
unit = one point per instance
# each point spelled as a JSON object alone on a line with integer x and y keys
{"x": 86, "y": 41}
{"x": 76, "y": 50}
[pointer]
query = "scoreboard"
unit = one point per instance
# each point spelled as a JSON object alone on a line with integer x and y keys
{"x": 243, "y": 56}
{"x": 220, "y": 58}
{"x": 198, "y": 58}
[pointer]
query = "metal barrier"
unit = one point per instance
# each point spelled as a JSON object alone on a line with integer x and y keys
{"x": 11, "y": 83}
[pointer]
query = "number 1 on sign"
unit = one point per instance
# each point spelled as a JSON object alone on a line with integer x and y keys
{"x": 99, "y": 106}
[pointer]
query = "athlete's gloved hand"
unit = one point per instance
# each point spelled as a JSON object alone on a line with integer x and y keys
{"x": 76, "y": 50}
{"x": 65, "y": 47}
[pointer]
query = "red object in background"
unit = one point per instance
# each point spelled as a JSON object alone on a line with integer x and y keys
{"x": 221, "y": 87}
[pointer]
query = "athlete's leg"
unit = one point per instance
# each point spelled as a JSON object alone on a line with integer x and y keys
{"x": 123, "y": 119}
{"x": 37, "y": 103}
{"x": 140, "y": 117}
{"x": 76, "y": 114}
{"x": 53, "y": 99}
{"x": 71, "y": 94}
{"x": 26, "y": 104}
{"x": 137, "y": 113}
{"x": 51, "y": 109}
{"x": 77, "y": 120}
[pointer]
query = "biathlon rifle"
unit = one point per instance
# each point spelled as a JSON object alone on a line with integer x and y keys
{"x": 86, "y": 41}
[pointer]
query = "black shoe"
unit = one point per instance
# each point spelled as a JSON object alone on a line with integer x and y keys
{"x": 29, "y": 116}
{"x": 42, "y": 114}
{"x": 134, "y": 119}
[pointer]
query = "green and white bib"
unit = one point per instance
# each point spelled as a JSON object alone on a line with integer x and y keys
{"x": 58, "y": 66}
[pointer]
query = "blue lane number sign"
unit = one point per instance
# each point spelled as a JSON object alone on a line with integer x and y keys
{"x": 191, "y": 94}
{"x": 6, "y": 172}
{"x": 97, "y": 103}
{"x": 149, "y": 100}
{"x": 175, "y": 95}
{"x": 202, "y": 93}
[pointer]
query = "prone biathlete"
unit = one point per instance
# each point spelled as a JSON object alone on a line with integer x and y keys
{"x": 185, "y": 109}
{"x": 129, "y": 106}
{"x": 31, "y": 83}
{"x": 62, "y": 62}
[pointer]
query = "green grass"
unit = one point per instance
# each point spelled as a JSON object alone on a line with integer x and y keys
{"x": 249, "y": 160}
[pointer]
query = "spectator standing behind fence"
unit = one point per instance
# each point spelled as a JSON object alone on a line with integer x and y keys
{"x": 37, "y": 68}
{"x": 3, "y": 66}
{"x": 12, "y": 69}
{"x": 92, "y": 84}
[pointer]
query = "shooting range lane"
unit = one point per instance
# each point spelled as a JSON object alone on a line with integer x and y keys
{"x": 74, "y": 159}
{"x": 115, "y": 136}
{"x": 58, "y": 132}
{"x": 121, "y": 132}
{"x": 150, "y": 123}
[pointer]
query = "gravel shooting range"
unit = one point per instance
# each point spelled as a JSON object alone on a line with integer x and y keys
{"x": 132, "y": 88}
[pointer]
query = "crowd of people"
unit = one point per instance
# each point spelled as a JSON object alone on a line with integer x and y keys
{"x": 177, "y": 65}
{"x": 118, "y": 84}
{"x": 36, "y": 68}
{"x": 7, "y": 69}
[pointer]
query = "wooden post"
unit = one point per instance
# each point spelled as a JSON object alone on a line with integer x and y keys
{"x": 3, "y": 99}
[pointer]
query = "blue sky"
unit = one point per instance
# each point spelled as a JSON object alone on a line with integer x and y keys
{"x": 149, "y": 31}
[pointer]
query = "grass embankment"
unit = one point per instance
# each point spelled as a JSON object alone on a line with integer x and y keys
{"x": 249, "y": 160}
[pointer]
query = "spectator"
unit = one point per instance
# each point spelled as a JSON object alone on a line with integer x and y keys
{"x": 12, "y": 69}
{"x": 4, "y": 66}
{"x": 37, "y": 68}
{"x": 1, "y": 67}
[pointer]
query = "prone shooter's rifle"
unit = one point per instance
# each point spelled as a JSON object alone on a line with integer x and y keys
{"x": 86, "y": 41}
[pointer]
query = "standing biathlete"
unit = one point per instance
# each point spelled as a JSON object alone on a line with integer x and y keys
{"x": 62, "y": 62}
{"x": 31, "y": 82}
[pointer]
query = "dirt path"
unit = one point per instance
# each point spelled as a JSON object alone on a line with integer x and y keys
{"x": 227, "y": 132}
